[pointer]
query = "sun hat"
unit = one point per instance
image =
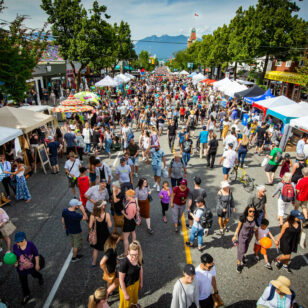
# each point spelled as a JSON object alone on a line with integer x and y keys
{"x": 282, "y": 283}
{"x": 72, "y": 154}
{"x": 224, "y": 184}
{"x": 300, "y": 156}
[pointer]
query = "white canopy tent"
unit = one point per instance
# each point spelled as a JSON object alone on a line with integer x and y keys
{"x": 300, "y": 124}
{"x": 221, "y": 83}
{"x": 245, "y": 82}
{"x": 232, "y": 88}
{"x": 7, "y": 134}
{"x": 121, "y": 78}
{"x": 37, "y": 108}
{"x": 129, "y": 76}
{"x": 184, "y": 72}
{"x": 106, "y": 82}
{"x": 278, "y": 101}
{"x": 197, "y": 78}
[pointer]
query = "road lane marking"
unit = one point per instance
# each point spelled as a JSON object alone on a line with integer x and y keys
{"x": 58, "y": 281}
{"x": 115, "y": 161}
{"x": 185, "y": 237}
{"x": 305, "y": 258}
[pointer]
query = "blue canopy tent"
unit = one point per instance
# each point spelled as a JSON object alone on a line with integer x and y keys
{"x": 289, "y": 112}
{"x": 266, "y": 95}
{"x": 192, "y": 74}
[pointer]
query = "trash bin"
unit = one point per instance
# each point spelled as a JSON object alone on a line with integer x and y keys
{"x": 245, "y": 119}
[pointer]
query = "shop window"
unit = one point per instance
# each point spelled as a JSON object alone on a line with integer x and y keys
{"x": 278, "y": 63}
{"x": 289, "y": 63}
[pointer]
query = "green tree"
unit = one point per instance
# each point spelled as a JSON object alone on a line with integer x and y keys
{"x": 80, "y": 37}
{"x": 277, "y": 31}
{"x": 20, "y": 51}
{"x": 303, "y": 71}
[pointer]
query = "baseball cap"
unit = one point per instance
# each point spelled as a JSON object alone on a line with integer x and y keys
{"x": 230, "y": 145}
{"x": 200, "y": 199}
{"x": 75, "y": 202}
{"x": 197, "y": 180}
{"x": 297, "y": 214}
{"x": 50, "y": 138}
{"x": 19, "y": 237}
{"x": 203, "y": 127}
{"x": 189, "y": 269}
{"x": 122, "y": 160}
{"x": 183, "y": 182}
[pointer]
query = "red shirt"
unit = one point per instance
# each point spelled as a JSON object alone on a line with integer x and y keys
{"x": 83, "y": 184}
{"x": 302, "y": 187}
{"x": 180, "y": 196}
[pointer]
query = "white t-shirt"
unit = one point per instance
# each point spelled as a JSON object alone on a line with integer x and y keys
{"x": 123, "y": 110}
{"x": 230, "y": 156}
{"x": 75, "y": 170}
{"x": 261, "y": 233}
{"x": 205, "y": 281}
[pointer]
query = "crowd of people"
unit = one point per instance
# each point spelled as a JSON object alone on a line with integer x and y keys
{"x": 113, "y": 203}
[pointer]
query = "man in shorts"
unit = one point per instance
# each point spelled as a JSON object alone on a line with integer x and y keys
{"x": 71, "y": 167}
{"x": 53, "y": 148}
{"x": 273, "y": 163}
{"x": 229, "y": 160}
{"x": 133, "y": 149}
{"x": 261, "y": 136}
{"x": 71, "y": 224}
{"x": 158, "y": 156}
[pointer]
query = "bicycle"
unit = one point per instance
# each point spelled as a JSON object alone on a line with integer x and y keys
{"x": 240, "y": 174}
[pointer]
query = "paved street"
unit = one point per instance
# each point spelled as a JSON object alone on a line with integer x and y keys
{"x": 164, "y": 252}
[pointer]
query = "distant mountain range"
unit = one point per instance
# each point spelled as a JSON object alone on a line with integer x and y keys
{"x": 162, "y": 46}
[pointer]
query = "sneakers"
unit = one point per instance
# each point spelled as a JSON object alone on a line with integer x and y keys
{"x": 176, "y": 229}
{"x": 77, "y": 258}
{"x": 222, "y": 232}
{"x": 268, "y": 266}
{"x": 257, "y": 258}
{"x": 278, "y": 264}
{"x": 157, "y": 188}
{"x": 165, "y": 219}
{"x": 25, "y": 300}
{"x": 287, "y": 269}
{"x": 188, "y": 244}
{"x": 239, "y": 268}
{"x": 245, "y": 260}
{"x": 206, "y": 232}
{"x": 150, "y": 231}
{"x": 155, "y": 185}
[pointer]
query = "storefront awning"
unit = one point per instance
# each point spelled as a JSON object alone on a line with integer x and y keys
{"x": 285, "y": 77}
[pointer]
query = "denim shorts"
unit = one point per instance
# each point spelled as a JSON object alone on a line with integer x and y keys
{"x": 225, "y": 170}
{"x": 156, "y": 170}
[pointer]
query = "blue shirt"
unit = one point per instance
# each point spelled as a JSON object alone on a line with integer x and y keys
{"x": 70, "y": 139}
{"x": 204, "y": 134}
{"x": 124, "y": 173}
{"x": 157, "y": 157}
{"x": 181, "y": 136}
{"x": 72, "y": 221}
{"x": 300, "y": 147}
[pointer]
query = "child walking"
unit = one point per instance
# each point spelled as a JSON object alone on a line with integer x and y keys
{"x": 262, "y": 232}
{"x": 83, "y": 184}
{"x": 165, "y": 197}
{"x": 285, "y": 165}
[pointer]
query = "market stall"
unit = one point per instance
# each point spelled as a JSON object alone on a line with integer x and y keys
{"x": 300, "y": 124}
{"x": 289, "y": 112}
{"x": 88, "y": 98}
{"x": 266, "y": 95}
{"x": 278, "y": 101}
{"x": 7, "y": 134}
{"x": 107, "y": 81}
{"x": 251, "y": 92}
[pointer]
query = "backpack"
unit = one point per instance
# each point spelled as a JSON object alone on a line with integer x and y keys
{"x": 206, "y": 220}
{"x": 278, "y": 158}
{"x": 272, "y": 294}
{"x": 287, "y": 193}
{"x": 192, "y": 122}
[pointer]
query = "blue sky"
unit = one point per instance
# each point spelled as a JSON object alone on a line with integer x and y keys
{"x": 151, "y": 17}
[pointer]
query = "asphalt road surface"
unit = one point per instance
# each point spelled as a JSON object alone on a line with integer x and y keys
{"x": 164, "y": 251}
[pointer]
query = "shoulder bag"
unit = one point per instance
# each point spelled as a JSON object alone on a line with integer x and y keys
{"x": 92, "y": 234}
{"x": 41, "y": 261}
{"x": 193, "y": 305}
{"x": 69, "y": 171}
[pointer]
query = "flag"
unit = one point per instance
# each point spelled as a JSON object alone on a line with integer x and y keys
{"x": 197, "y": 15}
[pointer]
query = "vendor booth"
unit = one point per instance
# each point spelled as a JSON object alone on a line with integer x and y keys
{"x": 289, "y": 112}
{"x": 251, "y": 92}
{"x": 300, "y": 124}
{"x": 266, "y": 104}
{"x": 266, "y": 95}
{"x": 7, "y": 134}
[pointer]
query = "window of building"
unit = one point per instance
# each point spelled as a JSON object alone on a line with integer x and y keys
{"x": 278, "y": 63}
{"x": 289, "y": 63}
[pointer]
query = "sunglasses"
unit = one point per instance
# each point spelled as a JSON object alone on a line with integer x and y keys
{"x": 251, "y": 211}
